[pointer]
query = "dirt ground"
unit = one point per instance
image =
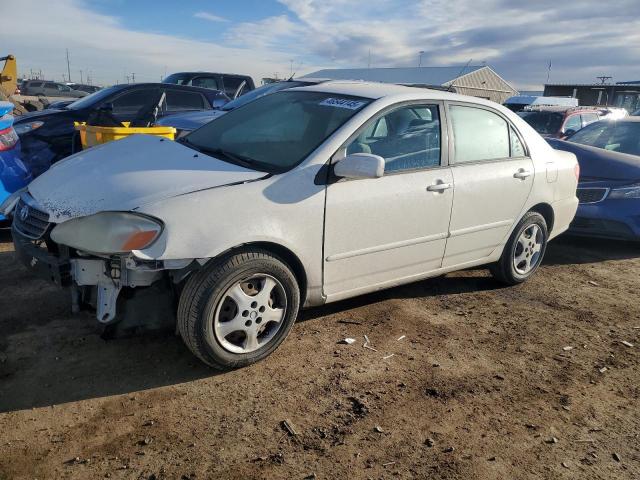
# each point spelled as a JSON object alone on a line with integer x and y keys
{"x": 482, "y": 385}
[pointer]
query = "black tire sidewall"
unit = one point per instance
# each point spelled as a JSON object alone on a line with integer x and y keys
{"x": 213, "y": 294}
{"x": 528, "y": 220}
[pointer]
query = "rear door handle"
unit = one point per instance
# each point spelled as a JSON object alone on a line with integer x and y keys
{"x": 439, "y": 186}
{"x": 522, "y": 174}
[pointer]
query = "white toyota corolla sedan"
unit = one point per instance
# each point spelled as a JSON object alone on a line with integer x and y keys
{"x": 300, "y": 198}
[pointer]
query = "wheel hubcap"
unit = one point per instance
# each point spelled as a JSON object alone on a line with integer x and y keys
{"x": 528, "y": 249}
{"x": 250, "y": 314}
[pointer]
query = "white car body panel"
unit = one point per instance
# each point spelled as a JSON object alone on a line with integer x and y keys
{"x": 404, "y": 235}
{"x": 126, "y": 174}
{"x": 352, "y": 236}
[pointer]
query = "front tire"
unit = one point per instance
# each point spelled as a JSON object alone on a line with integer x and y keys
{"x": 238, "y": 309}
{"x": 524, "y": 251}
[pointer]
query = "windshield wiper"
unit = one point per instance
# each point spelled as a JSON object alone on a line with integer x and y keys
{"x": 237, "y": 159}
{"x": 226, "y": 155}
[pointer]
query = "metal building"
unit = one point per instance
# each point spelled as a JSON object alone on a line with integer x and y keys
{"x": 475, "y": 80}
{"x": 621, "y": 94}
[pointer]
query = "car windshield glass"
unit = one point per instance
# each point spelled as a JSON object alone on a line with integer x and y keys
{"x": 93, "y": 98}
{"x": 545, "y": 123}
{"x": 276, "y": 132}
{"x": 623, "y": 137}
{"x": 260, "y": 92}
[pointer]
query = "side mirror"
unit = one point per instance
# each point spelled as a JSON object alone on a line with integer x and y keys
{"x": 360, "y": 165}
{"x": 568, "y": 133}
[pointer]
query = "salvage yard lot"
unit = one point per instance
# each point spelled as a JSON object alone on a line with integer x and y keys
{"x": 481, "y": 386}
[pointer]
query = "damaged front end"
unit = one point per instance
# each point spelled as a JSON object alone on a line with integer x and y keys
{"x": 117, "y": 284}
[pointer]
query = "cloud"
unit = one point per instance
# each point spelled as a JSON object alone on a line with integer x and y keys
{"x": 210, "y": 17}
{"x": 101, "y": 45}
{"x": 516, "y": 37}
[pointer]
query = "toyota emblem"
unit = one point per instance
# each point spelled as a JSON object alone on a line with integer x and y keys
{"x": 24, "y": 213}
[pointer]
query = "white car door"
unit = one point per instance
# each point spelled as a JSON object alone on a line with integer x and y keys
{"x": 493, "y": 176}
{"x": 379, "y": 232}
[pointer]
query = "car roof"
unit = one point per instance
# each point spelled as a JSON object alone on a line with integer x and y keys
{"x": 209, "y": 73}
{"x": 209, "y": 91}
{"x": 377, "y": 90}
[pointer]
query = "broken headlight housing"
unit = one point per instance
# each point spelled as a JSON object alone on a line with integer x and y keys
{"x": 631, "y": 191}
{"x": 108, "y": 232}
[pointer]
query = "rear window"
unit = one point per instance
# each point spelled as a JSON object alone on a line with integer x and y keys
{"x": 545, "y": 123}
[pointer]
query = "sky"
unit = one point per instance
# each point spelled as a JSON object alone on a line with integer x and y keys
{"x": 109, "y": 40}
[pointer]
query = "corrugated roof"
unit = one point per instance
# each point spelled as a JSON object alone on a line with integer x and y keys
{"x": 408, "y": 76}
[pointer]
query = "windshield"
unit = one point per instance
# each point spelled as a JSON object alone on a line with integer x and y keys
{"x": 260, "y": 92}
{"x": 276, "y": 132}
{"x": 623, "y": 137}
{"x": 93, "y": 98}
{"x": 545, "y": 123}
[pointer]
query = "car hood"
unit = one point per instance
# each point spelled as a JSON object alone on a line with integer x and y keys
{"x": 190, "y": 120}
{"x": 600, "y": 164}
{"x": 126, "y": 174}
{"x": 37, "y": 115}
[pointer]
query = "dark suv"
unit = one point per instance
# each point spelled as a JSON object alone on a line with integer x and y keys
{"x": 230, "y": 83}
{"x": 49, "y": 135}
{"x": 559, "y": 122}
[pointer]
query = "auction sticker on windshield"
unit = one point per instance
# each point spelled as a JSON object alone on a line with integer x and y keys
{"x": 342, "y": 103}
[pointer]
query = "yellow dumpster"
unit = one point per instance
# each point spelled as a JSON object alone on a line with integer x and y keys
{"x": 91, "y": 135}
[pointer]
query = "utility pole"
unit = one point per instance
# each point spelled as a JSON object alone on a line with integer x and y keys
{"x": 133, "y": 78}
{"x": 68, "y": 67}
{"x": 81, "y": 82}
{"x": 603, "y": 79}
{"x": 420, "y": 58}
{"x": 369, "y": 60}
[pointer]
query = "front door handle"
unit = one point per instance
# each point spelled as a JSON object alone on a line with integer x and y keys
{"x": 522, "y": 174}
{"x": 439, "y": 186}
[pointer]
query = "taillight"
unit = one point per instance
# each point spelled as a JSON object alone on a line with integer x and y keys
{"x": 8, "y": 139}
{"x": 576, "y": 170}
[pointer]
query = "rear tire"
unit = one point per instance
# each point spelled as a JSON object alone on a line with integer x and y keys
{"x": 524, "y": 251}
{"x": 238, "y": 309}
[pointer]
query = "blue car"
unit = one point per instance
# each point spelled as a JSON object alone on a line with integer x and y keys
{"x": 13, "y": 174}
{"x": 185, "y": 123}
{"x": 609, "y": 188}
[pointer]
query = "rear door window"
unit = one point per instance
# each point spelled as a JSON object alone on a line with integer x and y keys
{"x": 588, "y": 118}
{"x": 478, "y": 134}
{"x": 127, "y": 105}
{"x": 573, "y": 123}
{"x": 181, "y": 101}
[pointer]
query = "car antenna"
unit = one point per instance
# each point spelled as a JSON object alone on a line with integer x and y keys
{"x": 459, "y": 74}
